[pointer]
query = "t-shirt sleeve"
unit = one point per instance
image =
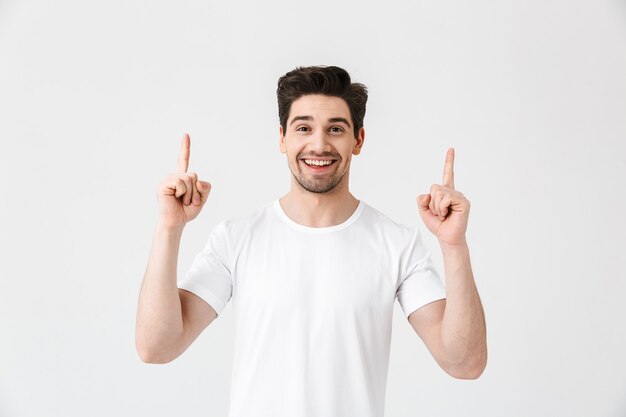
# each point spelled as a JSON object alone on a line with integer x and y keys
{"x": 419, "y": 283}
{"x": 209, "y": 276}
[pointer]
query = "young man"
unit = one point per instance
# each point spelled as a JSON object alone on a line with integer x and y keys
{"x": 312, "y": 276}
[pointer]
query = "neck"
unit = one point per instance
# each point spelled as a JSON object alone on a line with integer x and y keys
{"x": 318, "y": 209}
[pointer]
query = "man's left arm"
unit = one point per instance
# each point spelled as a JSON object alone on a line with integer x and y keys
{"x": 454, "y": 328}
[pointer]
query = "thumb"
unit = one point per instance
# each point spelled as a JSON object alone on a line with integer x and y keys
{"x": 422, "y": 201}
{"x": 203, "y": 188}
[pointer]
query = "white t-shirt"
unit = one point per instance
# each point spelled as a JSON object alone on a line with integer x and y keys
{"x": 312, "y": 307}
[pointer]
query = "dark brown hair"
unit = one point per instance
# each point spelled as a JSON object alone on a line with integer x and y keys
{"x": 326, "y": 80}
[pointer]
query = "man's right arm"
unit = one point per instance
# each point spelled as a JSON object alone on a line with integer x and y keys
{"x": 169, "y": 319}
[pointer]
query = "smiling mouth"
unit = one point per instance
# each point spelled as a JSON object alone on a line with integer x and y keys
{"x": 316, "y": 168}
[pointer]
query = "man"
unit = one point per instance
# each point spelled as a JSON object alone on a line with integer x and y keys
{"x": 312, "y": 276}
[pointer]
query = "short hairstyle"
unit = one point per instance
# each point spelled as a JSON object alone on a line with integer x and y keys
{"x": 326, "y": 80}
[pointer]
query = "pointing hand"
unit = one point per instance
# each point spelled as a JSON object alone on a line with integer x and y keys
{"x": 444, "y": 210}
{"x": 181, "y": 195}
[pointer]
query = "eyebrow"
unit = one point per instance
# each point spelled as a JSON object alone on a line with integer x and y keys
{"x": 331, "y": 120}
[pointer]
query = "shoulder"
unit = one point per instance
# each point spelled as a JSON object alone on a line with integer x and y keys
{"x": 236, "y": 227}
{"x": 388, "y": 227}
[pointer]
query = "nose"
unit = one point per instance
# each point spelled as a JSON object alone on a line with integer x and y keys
{"x": 320, "y": 141}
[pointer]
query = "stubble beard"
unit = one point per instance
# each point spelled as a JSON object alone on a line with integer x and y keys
{"x": 318, "y": 183}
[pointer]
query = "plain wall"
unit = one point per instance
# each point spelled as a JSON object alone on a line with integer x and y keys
{"x": 95, "y": 98}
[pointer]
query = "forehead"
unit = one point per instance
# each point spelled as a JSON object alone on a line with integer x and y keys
{"x": 320, "y": 105}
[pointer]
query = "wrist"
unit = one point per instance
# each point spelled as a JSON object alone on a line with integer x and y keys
{"x": 167, "y": 229}
{"x": 460, "y": 246}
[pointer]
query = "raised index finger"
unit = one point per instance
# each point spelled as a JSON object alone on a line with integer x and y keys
{"x": 448, "y": 170}
{"x": 183, "y": 158}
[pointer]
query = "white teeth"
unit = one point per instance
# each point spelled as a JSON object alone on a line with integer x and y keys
{"x": 318, "y": 163}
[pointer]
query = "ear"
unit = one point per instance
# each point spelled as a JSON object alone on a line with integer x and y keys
{"x": 359, "y": 142}
{"x": 282, "y": 142}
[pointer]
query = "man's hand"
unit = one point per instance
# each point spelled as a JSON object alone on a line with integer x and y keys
{"x": 181, "y": 195}
{"x": 445, "y": 211}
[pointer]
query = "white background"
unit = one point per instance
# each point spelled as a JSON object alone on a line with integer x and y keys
{"x": 95, "y": 98}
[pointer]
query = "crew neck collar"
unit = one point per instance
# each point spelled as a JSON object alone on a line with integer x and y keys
{"x": 283, "y": 216}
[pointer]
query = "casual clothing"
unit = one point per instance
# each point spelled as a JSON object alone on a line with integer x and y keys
{"x": 312, "y": 307}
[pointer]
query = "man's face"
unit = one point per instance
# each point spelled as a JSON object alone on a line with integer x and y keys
{"x": 319, "y": 128}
